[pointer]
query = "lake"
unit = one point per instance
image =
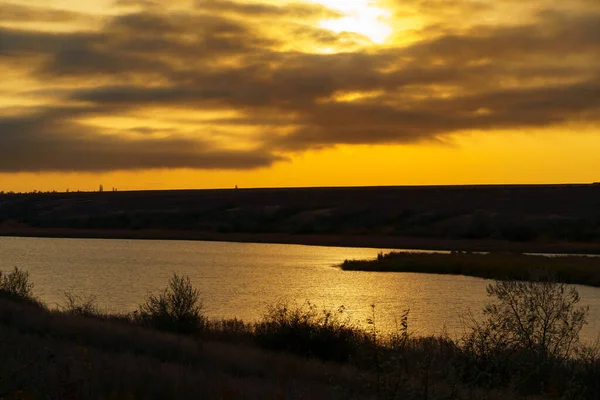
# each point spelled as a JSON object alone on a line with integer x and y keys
{"x": 241, "y": 279}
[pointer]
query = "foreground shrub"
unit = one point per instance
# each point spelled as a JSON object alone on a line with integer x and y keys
{"x": 229, "y": 330}
{"x": 80, "y": 305}
{"x": 177, "y": 308}
{"x": 529, "y": 333}
{"x": 16, "y": 285}
{"x": 309, "y": 332}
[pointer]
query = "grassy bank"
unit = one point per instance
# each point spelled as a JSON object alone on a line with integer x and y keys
{"x": 54, "y": 355}
{"x": 568, "y": 269}
{"x": 169, "y": 350}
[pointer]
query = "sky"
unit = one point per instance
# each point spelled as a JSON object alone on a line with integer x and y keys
{"x": 144, "y": 94}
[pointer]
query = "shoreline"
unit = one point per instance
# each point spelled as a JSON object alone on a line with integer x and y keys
{"x": 350, "y": 241}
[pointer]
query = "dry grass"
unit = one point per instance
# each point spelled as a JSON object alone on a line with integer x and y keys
{"x": 51, "y": 354}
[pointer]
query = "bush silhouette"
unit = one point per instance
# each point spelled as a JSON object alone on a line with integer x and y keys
{"x": 80, "y": 305}
{"x": 309, "y": 332}
{"x": 16, "y": 285}
{"x": 529, "y": 331}
{"x": 177, "y": 308}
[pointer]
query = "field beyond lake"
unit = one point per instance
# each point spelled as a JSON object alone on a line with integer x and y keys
{"x": 537, "y": 218}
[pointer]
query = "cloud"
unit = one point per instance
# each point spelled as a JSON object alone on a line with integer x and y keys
{"x": 20, "y": 42}
{"x": 263, "y": 65}
{"x": 49, "y": 140}
{"x": 13, "y": 12}
{"x": 261, "y": 10}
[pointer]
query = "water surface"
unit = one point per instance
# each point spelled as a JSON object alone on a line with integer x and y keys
{"x": 241, "y": 279}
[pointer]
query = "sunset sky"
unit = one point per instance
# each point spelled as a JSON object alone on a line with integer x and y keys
{"x": 143, "y": 94}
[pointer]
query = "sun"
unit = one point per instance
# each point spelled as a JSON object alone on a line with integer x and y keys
{"x": 360, "y": 17}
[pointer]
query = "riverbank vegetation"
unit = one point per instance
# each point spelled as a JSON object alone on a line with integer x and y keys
{"x": 502, "y": 266}
{"x": 526, "y": 345}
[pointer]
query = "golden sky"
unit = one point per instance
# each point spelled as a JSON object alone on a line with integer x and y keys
{"x": 144, "y": 94}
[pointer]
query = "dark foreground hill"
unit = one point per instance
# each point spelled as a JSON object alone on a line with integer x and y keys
{"x": 169, "y": 350}
{"x": 543, "y": 214}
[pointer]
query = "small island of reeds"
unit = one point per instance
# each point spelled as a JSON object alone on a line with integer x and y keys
{"x": 504, "y": 266}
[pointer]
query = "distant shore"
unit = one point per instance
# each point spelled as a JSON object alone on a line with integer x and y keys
{"x": 370, "y": 241}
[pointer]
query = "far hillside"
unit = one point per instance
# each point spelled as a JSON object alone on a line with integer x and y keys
{"x": 526, "y": 214}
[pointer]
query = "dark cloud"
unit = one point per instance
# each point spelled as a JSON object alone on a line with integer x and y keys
{"x": 50, "y": 140}
{"x": 552, "y": 35}
{"x": 372, "y": 122}
{"x": 254, "y": 9}
{"x": 254, "y": 59}
{"x": 21, "y": 42}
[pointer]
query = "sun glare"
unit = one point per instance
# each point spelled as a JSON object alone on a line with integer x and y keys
{"x": 360, "y": 17}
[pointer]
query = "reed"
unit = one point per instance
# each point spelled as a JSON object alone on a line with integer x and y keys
{"x": 503, "y": 266}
